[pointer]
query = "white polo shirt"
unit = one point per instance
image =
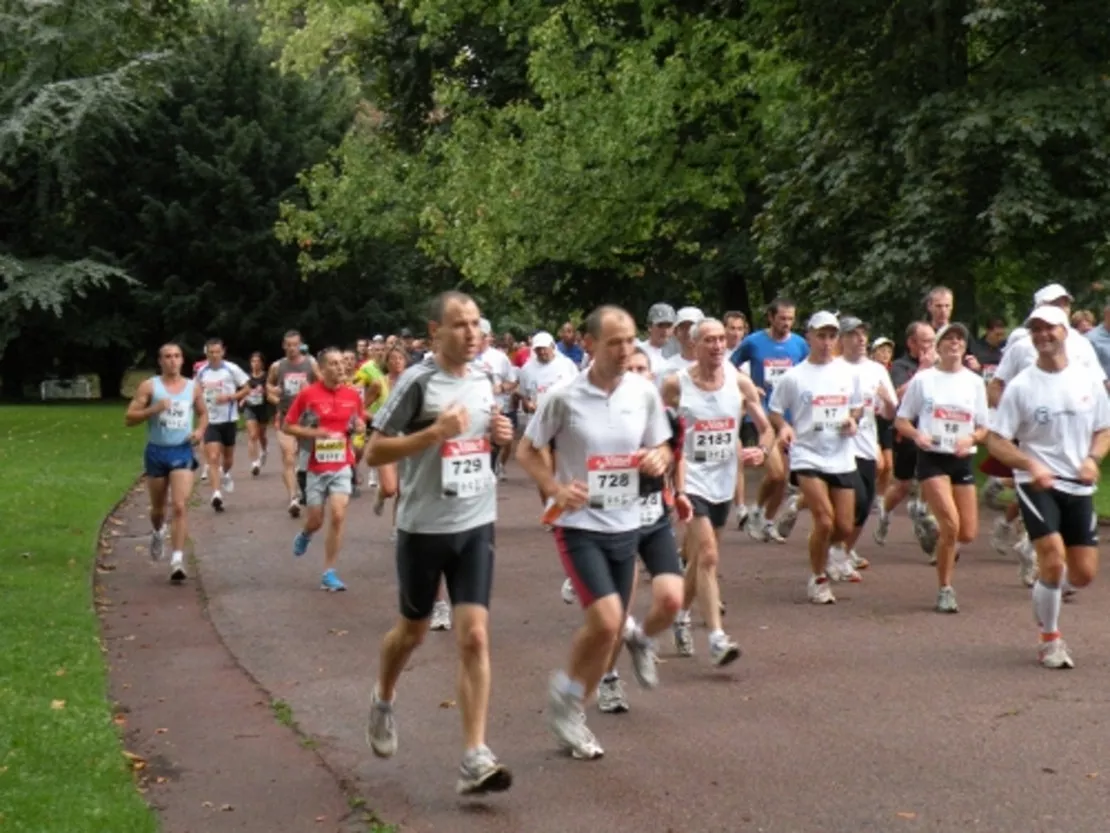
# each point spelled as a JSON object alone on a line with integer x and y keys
{"x": 598, "y": 439}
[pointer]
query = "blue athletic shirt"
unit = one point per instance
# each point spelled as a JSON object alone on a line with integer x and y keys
{"x": 770, "y": 359}
{"x": 174, "y": 425}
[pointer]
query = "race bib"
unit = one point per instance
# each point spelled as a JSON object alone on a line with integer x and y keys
{"x": 292, "y": 383}
{"x": 949, "y": 425}
{"x": 176, "y": 417}
{"x": 829, "y": 413}
{"x": 255, "y": 396}
{"x": 210, "y": 394}
{"x": 988, "y": 372}
{"x": 775, "y": 369}
{"x": 465, "y": 467}
{"x": 330, "y": 450}
{"x": 714, "y": 440}
{"x": 651, "y": 509}
{"x": 613, "y": 480}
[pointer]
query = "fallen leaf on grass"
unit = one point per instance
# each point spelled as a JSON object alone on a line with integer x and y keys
{"x": 119, "y": 719}
{"x": 57, "y": 705}
{"x": 908, "y": 816}
{"x": 447, "y": 704}
{"x": 61, "y": 672}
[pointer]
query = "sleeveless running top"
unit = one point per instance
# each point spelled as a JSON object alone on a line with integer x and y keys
{"x": 174, "y": 425}
{"x": 257, "y": 396}
{"x": 291, "y": 378}
{"x": 712, "y": 419}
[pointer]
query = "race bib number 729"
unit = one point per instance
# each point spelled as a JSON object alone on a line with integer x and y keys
{"x": 465, "y": 467}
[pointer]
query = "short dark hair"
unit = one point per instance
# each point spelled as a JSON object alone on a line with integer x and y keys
{"x": 214, "y": 342}
{"x": 438, "y": 307}
{"x": 778, "y": 305}
{"x": 732, "y": 313}
{"x": 291, "y": 334}
{"x": 911, "y": 328}
{"x": 995, "y": 322}
{"x": 327, "y": 350}
{"x": 170, "y": 344}
{"x": 596, "y": 319}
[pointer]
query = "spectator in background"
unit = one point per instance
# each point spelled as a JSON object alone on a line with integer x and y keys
{"x": 988, "y": 349}
{"x": 521, "y": 355}
{"x": 568, "y": 344}
{"x": 1083, "y": 320}
{"x": 1100, "y": 338}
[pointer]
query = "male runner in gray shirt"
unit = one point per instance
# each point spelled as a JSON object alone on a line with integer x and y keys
{"x": 441, "y": 419}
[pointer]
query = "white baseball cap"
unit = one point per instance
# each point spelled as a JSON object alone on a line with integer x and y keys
{"x": 689, "y": 315}
{"x": 1054, "y": 316}
{"x": 1048, "y": 294}
{"x": 822, "y": 320}
{"x": 879, "y": 342}
{"x": 485, "y": 326}
{"x": 543, "y": 339}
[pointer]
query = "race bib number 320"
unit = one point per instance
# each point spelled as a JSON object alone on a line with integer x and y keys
{"x": 465, "y": 467}
{"x": 613, "y": 480}
{"x": 775, "y": 369}
{"x": 714, "y": 440}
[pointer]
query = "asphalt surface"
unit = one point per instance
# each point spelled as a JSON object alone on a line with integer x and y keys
{"x": 875, "y": 714}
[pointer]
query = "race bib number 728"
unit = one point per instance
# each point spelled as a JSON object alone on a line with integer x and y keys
{"x": 613, "y": 480}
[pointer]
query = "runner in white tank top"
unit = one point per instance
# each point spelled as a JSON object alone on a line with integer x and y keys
{"x": 710, "y": 401}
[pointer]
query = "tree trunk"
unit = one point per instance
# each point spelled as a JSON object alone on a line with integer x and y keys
{"x": 12, "y": 373}
{"x": 110, "y": 366}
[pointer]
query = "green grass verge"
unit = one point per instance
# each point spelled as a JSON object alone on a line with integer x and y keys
{"x": 61, "y": 767}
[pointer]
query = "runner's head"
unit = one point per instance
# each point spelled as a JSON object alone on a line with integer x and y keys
{"x": 362, "y": 349}
{"x": 920, "y": 338}
{"x": 612, "y": 335}
{"x": 684, "y": 323}
{"x": 543, "y": 347}
{"x": 487, "y": 334}
{"x": 350, "y": 362}
{"x": 170, "y": 359}
{"x": 709, "y": 339}
{"x": 1053, "y": 295}
{"x": 995, "y": 332}
{"x": 1048, "y": 327}
{"x": 661, "y": 320}
{"x": 736, "y": 328}
{"x": 332, "y": 367}
{"x": 939, "y": 305}
{"x": 822, "y": 331}
{"x": 639, "y": 363}
{"x": 567, "y": 334}
{"x": 214, "y": 352}
{"x": 853, "y": 338}
{"x": 882, "y": 351}
{"x": 291, "y": 344}
{"x": 780, "y": 316}
{"x": 455, "y": 327}
{"x": 258, "y": 363}
{"x": 395, "y": 360}
{"x": 951, "y": 345}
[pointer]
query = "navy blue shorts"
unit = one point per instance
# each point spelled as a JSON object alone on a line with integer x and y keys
{"x": 160, "y": 460}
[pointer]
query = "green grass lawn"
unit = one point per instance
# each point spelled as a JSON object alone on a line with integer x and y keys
{"x": 61, "y": 767}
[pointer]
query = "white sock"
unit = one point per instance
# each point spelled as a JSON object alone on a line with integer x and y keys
{"x": 177, "y": 557}
{"x": 1046, "y": 606}
{"x": 716, "y": 637}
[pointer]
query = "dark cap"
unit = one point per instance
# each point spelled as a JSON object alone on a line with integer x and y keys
{"x": 406, "y": 332}
{"x": 849, "y": 324}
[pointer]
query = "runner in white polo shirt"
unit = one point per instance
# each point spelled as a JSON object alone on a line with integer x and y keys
{"x": 821, "y": 396}
{"x": 1059, "y": 414}
{"x": 660, "y": 319}
{"x": 608, "y": 427}
{"x": 224, "y": 385}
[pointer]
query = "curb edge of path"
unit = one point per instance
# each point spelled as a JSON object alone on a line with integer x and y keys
{"x": 357, "y": 817}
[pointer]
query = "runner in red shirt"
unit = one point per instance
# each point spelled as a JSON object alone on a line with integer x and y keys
{"x": 324, "y": 417}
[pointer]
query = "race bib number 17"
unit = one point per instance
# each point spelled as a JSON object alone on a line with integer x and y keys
{"x": 465, "y": 467}
{"x": 829, "y": 413}
{"x": 613, "y": 480}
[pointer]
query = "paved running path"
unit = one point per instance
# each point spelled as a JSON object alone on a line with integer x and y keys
{"x": 875, "y": 714}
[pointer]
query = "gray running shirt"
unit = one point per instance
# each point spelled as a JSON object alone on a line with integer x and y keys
{"x": 291, "y": 378}
{"x": 450, "y": 487}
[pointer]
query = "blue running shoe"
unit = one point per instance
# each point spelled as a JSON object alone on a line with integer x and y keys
{"x": 330, "y": 581}
{"x": 300, "y": 544}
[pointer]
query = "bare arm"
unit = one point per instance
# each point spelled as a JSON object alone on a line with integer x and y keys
{"x": 273, "y": 392}
{"x": 200, "y": 413}
{"x": 671, "y": 391}
{"x": 750, "y": 395}
{"x": 383, "y": 450}
{"x": 904, "y": 427}
{"x": 140, "y": 409}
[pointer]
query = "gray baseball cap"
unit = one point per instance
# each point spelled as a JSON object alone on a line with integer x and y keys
{"x": 849, "y": 324}
{"x": 661, "y": 314}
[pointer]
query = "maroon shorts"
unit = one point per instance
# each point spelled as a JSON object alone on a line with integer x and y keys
{"x": 993, "y": 468}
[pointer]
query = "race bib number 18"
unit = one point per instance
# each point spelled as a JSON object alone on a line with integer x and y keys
{"x": 613, "y": 480}
{"x": 949, "y": 425}
{"x": 651, "y": 508}
{"x": 465, "y": 467}
{"x": 714, "y": 440}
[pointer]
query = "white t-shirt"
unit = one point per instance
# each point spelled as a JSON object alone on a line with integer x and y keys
{"x": 497, "y": 366}
{"x": 869, "y": 376}
{"x": 538, "y": 379}
{"x": 598, "y": 437}
{"x": 1021, "y": 354}
{"x": 656, "y": 359}
{"x": 226, "y": 379}
{"x": 1053, "y": 416}
{"x": 947, "y": 406}
{"x": 820, "y": 398}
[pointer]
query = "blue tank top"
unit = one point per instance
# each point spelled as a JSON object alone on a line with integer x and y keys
{"x": 174, "y": 425}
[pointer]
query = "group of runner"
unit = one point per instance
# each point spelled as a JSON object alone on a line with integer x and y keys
{"x": 637, "y": 450}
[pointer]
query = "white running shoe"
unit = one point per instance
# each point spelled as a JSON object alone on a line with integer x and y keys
{"x": 1002, "y": 536}
{"x": 177, "y": 570}
{"x": 610, "y": 696}
{"x": 227, "y": 483}
{"x": 820, "y": 591}
{"x": 1055, "y": 654}
{"x": 441, "y": 616}
{"x": 1027, "y": 561}
{"x": 158, "y": 543}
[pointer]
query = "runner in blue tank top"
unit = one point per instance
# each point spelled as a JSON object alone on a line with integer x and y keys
{"x": 173, "y": 410}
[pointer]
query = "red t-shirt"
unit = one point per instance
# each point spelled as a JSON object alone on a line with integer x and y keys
{"x": 334, "y": 410}
{"x": 521, "y": 356}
